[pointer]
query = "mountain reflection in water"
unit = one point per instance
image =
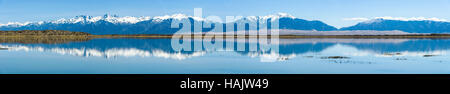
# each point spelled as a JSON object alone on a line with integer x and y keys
{"x": 293, "y": 55}
{"x": 162, "y": 47}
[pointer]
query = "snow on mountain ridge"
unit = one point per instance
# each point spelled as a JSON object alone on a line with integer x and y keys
{"x": 174, "y": 16}
{"x": 108, "y": 18}
{"x": 273, "y": 17}
{"x": 411, "y": 19}
{"x": 15, "y": 24}
{"x": 379, "y": 19}
{"x": 278, "y": 15}
{"x": 133, "y": 20}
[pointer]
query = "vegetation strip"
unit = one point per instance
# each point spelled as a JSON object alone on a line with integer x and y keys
{"x": 61, "y": 34}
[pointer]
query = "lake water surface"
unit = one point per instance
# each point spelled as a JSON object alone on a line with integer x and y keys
{"x": 295, "y": 56}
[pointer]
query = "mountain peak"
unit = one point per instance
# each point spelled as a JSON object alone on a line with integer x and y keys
{"x": 174, "y": 16}
{"x": 373, "y": 21}
{"x": 110, "y": 15}
{"x": 81, "y": 16}
{"x": 282, "y": 14}
{"x": 15, "y": 24}
{"x": 106, "y": 17}
{"x": 386, "y": 18}
{"x": 406, "y": 19}
{"x": 273, "y": 16}
{"x": 277, "y": 16}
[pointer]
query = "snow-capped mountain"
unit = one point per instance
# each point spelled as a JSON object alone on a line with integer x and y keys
{"x": 108, "y": 18}
{"x": 290, "y": 22}
{"x": 113, "y": 24}
{"x": 410, "y": 26}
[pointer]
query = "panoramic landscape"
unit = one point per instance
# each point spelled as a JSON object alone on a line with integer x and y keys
{"x": 117, "y": 42}
{"x": 110, "y": 44}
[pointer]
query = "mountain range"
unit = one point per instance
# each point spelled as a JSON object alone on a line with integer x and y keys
{"x": 415, "y": 26}
{"x": 113, "y": 24}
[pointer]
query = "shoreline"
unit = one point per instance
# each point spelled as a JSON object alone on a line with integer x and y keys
{"x": 432, "y": 36}
{"x": 57, "y": 39}
{"x": 61, "y": 34}
{"x": 442, "y": 36}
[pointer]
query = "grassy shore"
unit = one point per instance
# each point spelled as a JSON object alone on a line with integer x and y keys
{"x": 44, "y": 36}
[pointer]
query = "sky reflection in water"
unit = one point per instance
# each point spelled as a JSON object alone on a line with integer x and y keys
{"x": 296, "y": 56}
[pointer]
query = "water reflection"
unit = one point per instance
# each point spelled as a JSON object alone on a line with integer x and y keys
{"x": 289, "y": 48}
{"x": 295, "y": 56}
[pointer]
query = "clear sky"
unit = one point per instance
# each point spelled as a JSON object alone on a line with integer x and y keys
{"x": 333, "y": 12}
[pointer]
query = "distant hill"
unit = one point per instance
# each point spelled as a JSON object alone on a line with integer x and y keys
{"x": 301, "y": 24}
{"x": 425, "y": 26}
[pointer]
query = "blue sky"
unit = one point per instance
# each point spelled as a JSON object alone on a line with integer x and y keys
{"x": 332, "y": 12}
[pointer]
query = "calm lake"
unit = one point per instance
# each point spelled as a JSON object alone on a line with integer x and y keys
{"x": 295, "y": 56}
